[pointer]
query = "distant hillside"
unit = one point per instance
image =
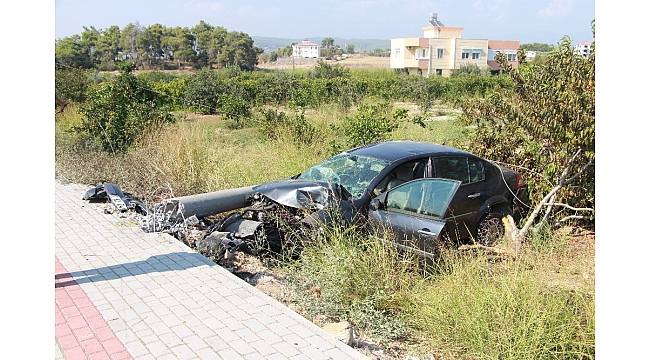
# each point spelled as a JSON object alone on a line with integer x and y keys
{"x": 272, "y": 43}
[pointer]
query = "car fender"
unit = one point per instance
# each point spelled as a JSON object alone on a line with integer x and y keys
{"x": 491, "y": 203}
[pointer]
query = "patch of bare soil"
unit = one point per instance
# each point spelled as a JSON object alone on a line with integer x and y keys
{"x": 357, "y": 61}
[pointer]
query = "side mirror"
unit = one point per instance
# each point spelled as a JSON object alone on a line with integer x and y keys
{"x": 375, "y": 204}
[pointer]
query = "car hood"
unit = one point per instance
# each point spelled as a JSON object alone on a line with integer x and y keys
{"x": 303, "y": 194}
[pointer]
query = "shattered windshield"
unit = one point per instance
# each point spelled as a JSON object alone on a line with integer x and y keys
{"x": 353, "y": 172}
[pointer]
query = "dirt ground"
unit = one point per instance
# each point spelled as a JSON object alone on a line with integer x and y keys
{"x": 357, "y": 61}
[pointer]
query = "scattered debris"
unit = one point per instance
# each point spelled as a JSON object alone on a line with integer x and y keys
{"x": 121, "y": 200}
{"x": 272, "y": 217}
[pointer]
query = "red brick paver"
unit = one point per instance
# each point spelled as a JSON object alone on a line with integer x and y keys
{"x": 80, "y": 330}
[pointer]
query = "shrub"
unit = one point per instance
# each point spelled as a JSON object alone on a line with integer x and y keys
{"x": 301, "y": 130}
{"x": 234, "y": 108}
{"x": 71, "y": 85}
{"x": 173, "y": 90}
{"x": 372, "y": 123}
{"x": 203, "y": 91}
{"x": 119, "y": 111}
{"x": 469, "y": 69}
{"x": 323, "y": 70}
{"x": 273, "y": 124}
{"x": 270, "y": 122}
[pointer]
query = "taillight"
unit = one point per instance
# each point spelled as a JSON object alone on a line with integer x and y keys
{"x": 519, "y": 181}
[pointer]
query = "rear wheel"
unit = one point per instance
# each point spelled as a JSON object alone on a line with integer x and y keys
{"x": 490, "y": 229}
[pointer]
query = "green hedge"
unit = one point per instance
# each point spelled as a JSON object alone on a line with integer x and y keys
{"x": 200, "y": 91}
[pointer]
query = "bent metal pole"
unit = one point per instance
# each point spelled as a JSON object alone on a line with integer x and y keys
{"x": 215, "y": 202}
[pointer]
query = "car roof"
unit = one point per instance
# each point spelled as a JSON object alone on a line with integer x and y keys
{"x": 396, "y": 150}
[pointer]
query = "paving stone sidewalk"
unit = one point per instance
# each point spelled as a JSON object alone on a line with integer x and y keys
{"x": 124, "y": 294}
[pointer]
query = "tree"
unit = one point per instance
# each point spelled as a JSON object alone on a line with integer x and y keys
{"x": 178, "y": 43}
{"x": 327, "y": 42}
{"x": 69, "y": 53}
{"x": 238, "y": 51}
{"x": 89, "y": 39}
{"x": 349, "y": 49}
{"x": 129, "y": 41}
{"x": 285, "y": 51}
{"x": 542, "y": 124}
{"x": 149, "y": 44}
{"x": 209, "y": 41}
{"x": 108, "y": 47}
{"x": 537, "y": 47}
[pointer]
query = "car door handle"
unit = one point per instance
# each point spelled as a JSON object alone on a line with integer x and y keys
{"x": 426, "y": 232}
{"x": 474, "y": 195}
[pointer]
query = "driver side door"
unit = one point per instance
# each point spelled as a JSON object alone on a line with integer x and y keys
{"x": 414, "y": 212}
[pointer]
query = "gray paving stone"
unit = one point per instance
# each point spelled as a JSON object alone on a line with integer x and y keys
{"x": 164, "y": 301}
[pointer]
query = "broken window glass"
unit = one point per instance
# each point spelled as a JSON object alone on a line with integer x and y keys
{"x": 353, "y": 172}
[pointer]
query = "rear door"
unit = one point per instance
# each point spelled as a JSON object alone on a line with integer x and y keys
{"x": 465, "y": 205}
{"x": 414, "y": 212}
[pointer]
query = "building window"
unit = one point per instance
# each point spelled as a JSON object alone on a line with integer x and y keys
{"x": 397, "y": 52}
{"x": 476, "y": 54}
{"x": 465, "y": 54}
{"x": 512, "y": 57}
{"x": 441, "y": 52}
{"x": 422, "y": 53}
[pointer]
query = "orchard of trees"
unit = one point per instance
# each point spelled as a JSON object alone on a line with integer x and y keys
{"x": 157, "y": 47}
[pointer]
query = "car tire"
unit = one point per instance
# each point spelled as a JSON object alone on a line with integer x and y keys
{"x": 490, "y": 229}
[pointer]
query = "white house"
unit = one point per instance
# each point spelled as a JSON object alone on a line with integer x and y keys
{"x": 583, "y": 48}
{"x": 306, "y": 49}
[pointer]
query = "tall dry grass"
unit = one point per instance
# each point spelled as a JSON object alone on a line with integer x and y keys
{"x": 464, "y": 307}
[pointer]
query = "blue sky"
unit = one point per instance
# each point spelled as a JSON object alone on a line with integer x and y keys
{"x": 524, "y": 20}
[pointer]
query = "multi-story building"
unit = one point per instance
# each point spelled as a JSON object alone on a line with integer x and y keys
{"x": 583, "y": 48}
{"x": 306, "y": 49}
{"x": 508, "y": 47}
{"x": 441, "y": 49}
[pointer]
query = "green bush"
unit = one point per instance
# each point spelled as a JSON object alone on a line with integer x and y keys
{"x": 203, "y": 90}
{"x": 71, "y": 85}
{"x": 301, "y": 130}
{"x": 234, "y": 108}
{"x": 469, "y": 69}
{"x": 119, "y": 111}
{"x": 272, "y": 124}
{"x": 323, "y": 70}
{"x": 372, "y": 122}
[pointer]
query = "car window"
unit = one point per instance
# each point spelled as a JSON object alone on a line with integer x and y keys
{"x": 454, "y": 168}
{"x": 476, "y": 171}
{"x": 402, "y": 174}
{"x": 428, "y": 197}
{"x": 353, "y": 172}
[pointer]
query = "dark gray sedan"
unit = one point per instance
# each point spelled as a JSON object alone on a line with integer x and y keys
{"x": 424, "y": 191}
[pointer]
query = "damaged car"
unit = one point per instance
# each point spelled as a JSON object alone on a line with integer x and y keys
{"x": 422, "y": 192}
